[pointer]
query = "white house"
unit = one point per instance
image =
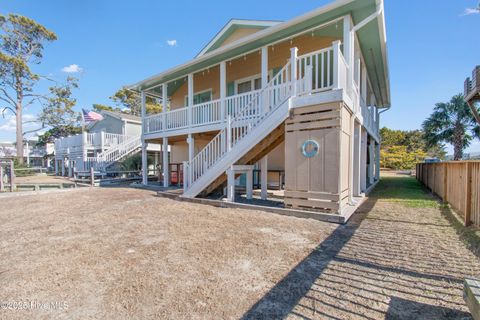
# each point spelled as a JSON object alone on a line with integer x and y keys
{"x": 107, "y": 141}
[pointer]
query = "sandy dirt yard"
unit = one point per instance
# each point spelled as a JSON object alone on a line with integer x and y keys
{"x": 42, "y": 179}
{"x": 126, "y": 254}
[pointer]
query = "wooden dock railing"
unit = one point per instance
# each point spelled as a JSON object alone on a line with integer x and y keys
{"x": 456, "y": 183}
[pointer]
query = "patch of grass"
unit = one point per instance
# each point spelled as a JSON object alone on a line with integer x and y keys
{"x": 405, "y": 190}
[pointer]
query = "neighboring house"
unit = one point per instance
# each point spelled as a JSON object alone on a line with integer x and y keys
{"x": 106, "y": 142}
{"x": 33, "y": 155}
{"x": 472, "y": 92}
{"x": 302, "y": 97}
{"x": 118, "y": 123}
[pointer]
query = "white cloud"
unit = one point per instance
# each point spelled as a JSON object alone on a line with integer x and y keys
{"x": 10, "y": 123}
{"x": 172, "y": 43}
{"x": 469, "y": 11}
{"x": 73, "y": 68}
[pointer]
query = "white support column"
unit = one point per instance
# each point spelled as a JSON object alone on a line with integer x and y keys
{"x": 371, "y": 156}
{"x": 84, "y": 151}
{"x": 164, "y": 105}
{"x": 144, "y": 144}
{"x": 63, "y": 167}
{"x": 144, "y": 164}
{"x": 69, "y": 163}
{"x": 364, "y": 84}
{"x": 102, "y": 141}
{"x": 56, "y": 166}
{"x": 348, "y": 40}
{"x": 348, "y": 48}
{"x": 191, "y": 147}
{"x": 229, "y": 133}
{"x": 190, "y": 97}
{"x": 336, "y": 57}
{"x": 377, "y": 162}
{"x": 70, "y": 167}
{"x": 351, "y": 169}
{"x": 166, "y": 164}
{"x": 264, "y": 78}
{"x": 230, "y": 185}
{"x": 264, "y": 70}
{"x": 249, "y": 185}
{"x": 293, "y": 65}
{"x": 264, "y": 177}
{"x": 223, "y": 90}
{"x": 357, "y": 188}
{"x": 363, "y": 163}
{"x": 191, "y": 153}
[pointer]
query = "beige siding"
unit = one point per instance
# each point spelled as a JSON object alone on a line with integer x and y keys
{"x": 238, "y": 34}
{"x": 276, "y": 158}
{"x": 247, "y": 66}
{"x": 314, "y": 182}
{"x": 179, "y": 150}
{"x": 208, "y": 79}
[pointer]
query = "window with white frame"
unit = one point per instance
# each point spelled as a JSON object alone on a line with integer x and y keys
{"x": 248, "y": 84}
{"x": 200, "y": 97}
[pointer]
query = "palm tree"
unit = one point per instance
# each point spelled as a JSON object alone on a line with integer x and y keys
{"x": 453, "y": 123}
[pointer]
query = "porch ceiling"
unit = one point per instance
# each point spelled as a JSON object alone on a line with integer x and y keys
{"x": 372, "y": 40}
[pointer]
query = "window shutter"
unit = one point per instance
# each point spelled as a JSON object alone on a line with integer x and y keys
{"x": 230, "y": 89}
{"x": 276, "y": 70}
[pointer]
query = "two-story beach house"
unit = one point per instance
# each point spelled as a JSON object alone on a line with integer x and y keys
{"x": 302, "y": 97}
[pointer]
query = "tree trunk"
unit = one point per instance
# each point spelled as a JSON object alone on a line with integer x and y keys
{"x": 458, "y": 136}
{"x": 19, "y": 127}
{"x": 19, "y": 135}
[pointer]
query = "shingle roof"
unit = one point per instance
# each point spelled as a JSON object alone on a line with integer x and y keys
{"x": 122, "y": 116}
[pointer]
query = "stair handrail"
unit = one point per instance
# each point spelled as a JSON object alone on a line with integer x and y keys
{"x": 108, "y": 156}
{"x": 233, "y": 131}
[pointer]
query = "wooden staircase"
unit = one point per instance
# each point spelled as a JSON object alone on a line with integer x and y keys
{"x": 270, "y": 142}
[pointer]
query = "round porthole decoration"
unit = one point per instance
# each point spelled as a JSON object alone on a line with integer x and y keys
{"x": 310, "y": 148}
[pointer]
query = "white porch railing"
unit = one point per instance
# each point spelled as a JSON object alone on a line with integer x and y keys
{"x": 206, "y": 113}
{"x": 317, "y": 72}
{"x": 109, "y": 147}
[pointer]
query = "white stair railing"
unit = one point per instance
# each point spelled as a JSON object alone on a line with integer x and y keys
{"x": 117, "y": 151}
{"x": 251, "y": 115}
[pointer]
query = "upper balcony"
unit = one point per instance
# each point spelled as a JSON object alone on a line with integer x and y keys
{"x": 88, "y": 141}
{"x": 322, "y": 72}
{"x": 330, "y": 67}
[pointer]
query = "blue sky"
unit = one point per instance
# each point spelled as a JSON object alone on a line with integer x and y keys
{"x": 115, "y": 43}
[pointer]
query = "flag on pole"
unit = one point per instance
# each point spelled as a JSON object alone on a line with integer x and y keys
{"x": 91, "y": 116}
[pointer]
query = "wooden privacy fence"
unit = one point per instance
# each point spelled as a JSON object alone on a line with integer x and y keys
{"x": 457, "y": 183}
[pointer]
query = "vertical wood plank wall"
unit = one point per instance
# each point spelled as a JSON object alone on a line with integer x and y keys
{"x": 457, "y": 183}
{"x": 320, "y": 182}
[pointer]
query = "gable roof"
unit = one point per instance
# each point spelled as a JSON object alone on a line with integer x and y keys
{"x": 231, "y": 27}
{"x": 122, "y": 116}
{"x": 117, "y": 115}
